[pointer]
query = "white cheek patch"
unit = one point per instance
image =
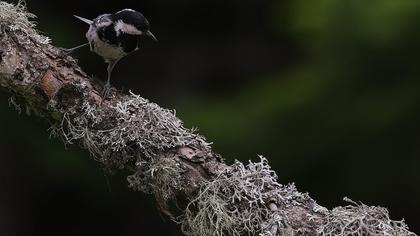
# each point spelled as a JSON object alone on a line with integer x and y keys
{"x": 103, "y": 23}
{"x": 120, "y": 26}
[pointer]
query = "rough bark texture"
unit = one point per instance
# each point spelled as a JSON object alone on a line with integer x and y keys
{"x": 175, "y": 164}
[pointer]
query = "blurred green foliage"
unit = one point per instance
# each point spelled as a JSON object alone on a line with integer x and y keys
{"x": 344, "y": 121}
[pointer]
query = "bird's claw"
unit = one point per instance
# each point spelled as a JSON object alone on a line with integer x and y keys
{"x": 106, "y": 91}
{"x": 71, "y": 50}
{"x": 66, "y": 51}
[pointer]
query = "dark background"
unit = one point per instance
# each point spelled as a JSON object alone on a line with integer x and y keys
{"x": 327, "y": 90}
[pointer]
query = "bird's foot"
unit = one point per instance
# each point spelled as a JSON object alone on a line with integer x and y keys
{"x": 71, "y": 50}
{"x": 106, "y": 91}
{"x": 67, "y": 51}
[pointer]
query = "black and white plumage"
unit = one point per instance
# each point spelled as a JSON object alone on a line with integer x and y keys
{"x": 113, "y": 36}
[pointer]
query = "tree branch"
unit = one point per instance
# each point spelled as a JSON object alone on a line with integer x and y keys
{"x": 173, "y": 163}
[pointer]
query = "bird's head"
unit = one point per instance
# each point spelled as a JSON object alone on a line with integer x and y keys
{"x": 132, "y": 22}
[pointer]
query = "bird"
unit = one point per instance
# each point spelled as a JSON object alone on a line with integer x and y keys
{"x": 114, "y": 36}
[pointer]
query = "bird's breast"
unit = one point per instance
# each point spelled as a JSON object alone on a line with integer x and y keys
{"x": 107, "y": 51}
{"x": 110, "y": 52}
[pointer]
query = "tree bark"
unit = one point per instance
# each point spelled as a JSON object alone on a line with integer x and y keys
{"x": 178, "y": 166}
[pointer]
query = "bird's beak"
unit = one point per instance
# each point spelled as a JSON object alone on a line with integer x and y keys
{"x": 150, "y": 35}
{"x": 84, "y": 19}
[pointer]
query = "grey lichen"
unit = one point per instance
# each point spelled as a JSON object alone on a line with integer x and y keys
{"x": 132, "y": 133}
{"x": 248, "y": 200}
{"x": 15, "y": 18}
{"x": 160, "y": 177}
{"x": 360, "y": 219}
{"x": 13, "y": 103}
{"x": 237, "y": 202}
{"x": 132, "y": 129}
{"x": 17, "y": 39}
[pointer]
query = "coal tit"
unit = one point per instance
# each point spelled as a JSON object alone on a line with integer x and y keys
{"x": 113, "y": 36}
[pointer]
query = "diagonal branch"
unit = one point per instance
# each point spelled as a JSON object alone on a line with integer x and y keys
{"x": 173, "y": 163}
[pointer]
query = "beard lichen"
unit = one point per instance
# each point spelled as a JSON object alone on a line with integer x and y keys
{"x": 236, "y": 202}
{"x": 132, "y": 134}
{"x": 138, "y": 135}
{"x": 15, "y": 18}
{"x": 160, "y": 177}
{"x": 360, "y": 219}
{"x": 239, "y": 202}
{"x": 132, "y": 129}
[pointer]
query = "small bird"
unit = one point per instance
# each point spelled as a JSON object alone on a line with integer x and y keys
{"x": 114, "y": 36}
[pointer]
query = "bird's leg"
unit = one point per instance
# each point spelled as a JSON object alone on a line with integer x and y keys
{"x": 107, "y": 86}
{"x": 71, "y": 50}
